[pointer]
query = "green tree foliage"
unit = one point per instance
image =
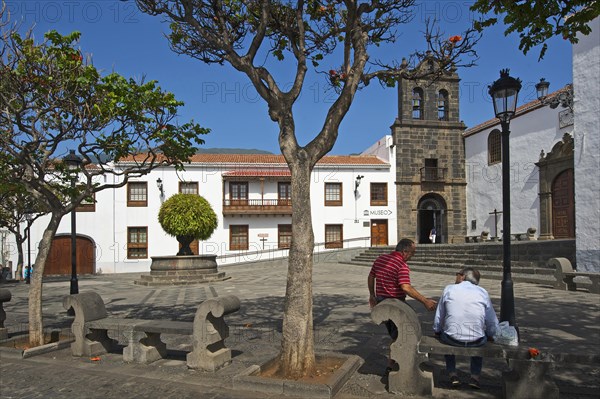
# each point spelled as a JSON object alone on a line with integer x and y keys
{"x": 333, "y": 38}
{"x": 15, "y": 206}
{"x": 188, "y": 215}
{"x": 536, "y": 21}
{"x": 51, "y": 100}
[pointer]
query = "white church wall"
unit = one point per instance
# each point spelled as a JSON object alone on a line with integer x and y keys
{"x": 586, "y": 85}
{"x": 530, "y": 133}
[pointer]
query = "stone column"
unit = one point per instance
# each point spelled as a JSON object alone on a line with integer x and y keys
{"x": 545, "y": 216}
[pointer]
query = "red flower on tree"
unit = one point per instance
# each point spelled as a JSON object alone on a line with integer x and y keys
{"x": 455, "y": 39}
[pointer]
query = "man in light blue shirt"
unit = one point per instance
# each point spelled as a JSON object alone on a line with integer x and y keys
{"x": 465, "y": 317}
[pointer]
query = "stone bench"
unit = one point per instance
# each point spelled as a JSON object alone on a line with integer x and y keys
{"x": 476, "y": 238}
{"x": 566, "y": 275}
{"x": 5, "y": 296}
{"x": 208, "y": 330}
{"x": 526, "y": 378}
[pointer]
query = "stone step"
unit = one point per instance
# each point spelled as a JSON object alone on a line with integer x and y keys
{"x": 452, "y": 267}
{"x": 540, "y": 277}
{"x": 154, "y": 280}
{"x": 460, "y": 262}
{"x": 528, "y": 258}
{"x": 184, "y": 273}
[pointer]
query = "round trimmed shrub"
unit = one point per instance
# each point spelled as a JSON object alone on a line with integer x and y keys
{"x": 187, "y": 217}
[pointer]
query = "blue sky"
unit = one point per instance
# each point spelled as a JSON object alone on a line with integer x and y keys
{"x": 122, "y": 39}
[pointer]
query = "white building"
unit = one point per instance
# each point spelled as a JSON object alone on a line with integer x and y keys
{"x": 555, "y": 161}
{"x": 536, "y": 128}
{"x": 586, "y": 82}
{"x": 352, "y": 197}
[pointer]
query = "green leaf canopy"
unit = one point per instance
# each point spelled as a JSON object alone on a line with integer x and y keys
{"x": 188, "y": 215}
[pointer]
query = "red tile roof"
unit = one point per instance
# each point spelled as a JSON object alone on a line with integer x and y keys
{"x": 268, "y": 159}
{"x": 257, "y": 172}
{"x": 523, "y": 109}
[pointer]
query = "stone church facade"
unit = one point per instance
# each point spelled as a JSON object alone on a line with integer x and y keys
{"x": 430, "y": 159}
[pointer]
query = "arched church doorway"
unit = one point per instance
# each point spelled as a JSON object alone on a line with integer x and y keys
{"x": 431, "y": 214}
{"x": 563, "y": 205}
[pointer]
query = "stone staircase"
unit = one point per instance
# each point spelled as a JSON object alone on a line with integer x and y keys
{"x": 528, "y": 259}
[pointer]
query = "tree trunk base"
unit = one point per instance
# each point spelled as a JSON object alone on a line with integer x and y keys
{"x": 332, "y": 371}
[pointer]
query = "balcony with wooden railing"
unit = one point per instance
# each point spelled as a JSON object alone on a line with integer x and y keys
{"x": 257, "y": 207}
{"x": 432, "y": 174}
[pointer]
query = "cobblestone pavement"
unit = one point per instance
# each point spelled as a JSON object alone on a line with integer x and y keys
{"x": 549, "y": 319}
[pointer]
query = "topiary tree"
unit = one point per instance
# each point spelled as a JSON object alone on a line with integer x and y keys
{"x": 187, "y": 217}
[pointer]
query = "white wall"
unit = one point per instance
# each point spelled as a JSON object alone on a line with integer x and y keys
{"x": 586, "y": 85}
{"x": 530, "y": 133}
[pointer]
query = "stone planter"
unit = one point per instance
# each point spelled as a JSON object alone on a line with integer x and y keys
{"x": 182, "y": 270}
{"x": 251, "y": 380}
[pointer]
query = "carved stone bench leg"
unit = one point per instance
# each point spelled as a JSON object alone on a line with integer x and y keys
{"x": 209, "y": 352}
{"x": 570, "y": 284}
{"x": 412, "y": 378}
{"x": 527, "y": 379}
{"x": 212, "y": 358}
{"x": 210, "y": 331}
{"x": 95, "y": 342}
{"x": 143, "y": 347}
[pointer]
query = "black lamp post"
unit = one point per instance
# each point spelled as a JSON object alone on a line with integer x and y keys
{"x": 73, "y": 163}
{"x": 504, "y": 92}
{"x": 29, "y": 217}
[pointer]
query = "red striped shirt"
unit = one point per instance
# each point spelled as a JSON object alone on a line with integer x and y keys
{"x": 390, "y": 270}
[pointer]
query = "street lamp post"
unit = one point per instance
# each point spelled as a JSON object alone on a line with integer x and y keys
{"x": 29, "y": 217}
{"x": 504, "y": 93}
{"x": 73, "y": 163}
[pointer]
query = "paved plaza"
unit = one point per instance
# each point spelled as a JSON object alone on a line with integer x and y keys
{"x": 549, "y": 319}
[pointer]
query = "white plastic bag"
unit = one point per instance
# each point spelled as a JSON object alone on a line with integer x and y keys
{"x": 506, "y": 335}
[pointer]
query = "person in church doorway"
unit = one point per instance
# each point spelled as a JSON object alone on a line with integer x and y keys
{"x": 432, "y": 235}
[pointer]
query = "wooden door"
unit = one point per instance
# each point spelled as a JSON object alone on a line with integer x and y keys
{"x": 563, "y": 205}
{"x": 59, "y": 259}
{"x": 379, "y": 232}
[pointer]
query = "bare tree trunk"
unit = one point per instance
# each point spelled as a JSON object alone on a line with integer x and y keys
{"x": 297, "y": 352}
{"x": 19, "y": 271}
{"x": 36, "y": 326}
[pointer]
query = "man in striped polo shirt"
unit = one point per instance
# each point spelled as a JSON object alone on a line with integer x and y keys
{"x": 390, "y": 278}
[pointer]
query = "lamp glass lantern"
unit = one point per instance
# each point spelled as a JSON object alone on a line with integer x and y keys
{"x": 542, "y": 89}
{"x": 72, "y": 160}
{"x": 504, "y": 93}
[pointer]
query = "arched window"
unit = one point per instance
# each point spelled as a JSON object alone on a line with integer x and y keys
{"x": 494, "y": 147}
{"x": 442, "y": 105}
{"x": 417, "y": 107}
